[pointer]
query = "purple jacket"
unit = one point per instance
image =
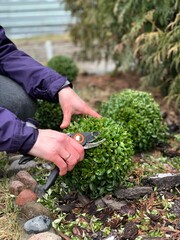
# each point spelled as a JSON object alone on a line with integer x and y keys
{"x": 37, "y": 80}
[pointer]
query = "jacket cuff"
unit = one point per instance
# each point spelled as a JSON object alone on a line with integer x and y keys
{"x": 67, "y": 83}
{"x": 24, "y": 139}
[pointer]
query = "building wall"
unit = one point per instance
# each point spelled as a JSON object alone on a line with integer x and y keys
{"x": 26, "y": 18}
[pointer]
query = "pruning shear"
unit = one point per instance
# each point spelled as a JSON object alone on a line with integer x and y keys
{"x": 86, "y": 139}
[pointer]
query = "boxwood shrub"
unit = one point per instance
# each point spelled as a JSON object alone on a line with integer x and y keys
{"x": 105, "y": 166}
{"x": 140, "y": 114}
{"x": 49, "y": 115}
{"x": 65, "y": 66}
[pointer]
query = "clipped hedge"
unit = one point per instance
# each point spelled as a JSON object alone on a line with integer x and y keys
{"x": 105, "y": 166}
{"x": 65, "y": 66}
{"x": 138, "y": 112}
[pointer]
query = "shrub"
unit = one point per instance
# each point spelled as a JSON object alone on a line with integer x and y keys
{"x": 147, "y": 40}
{"x": 49, "y": 115}
{"x": 139, "y": 113}
{"x": 105, "y": 166}
{"x": 65, "y": 66}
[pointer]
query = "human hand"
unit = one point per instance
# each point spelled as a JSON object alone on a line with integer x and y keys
{"x": 71, "y": 104}
{"x": 58, "y": 148}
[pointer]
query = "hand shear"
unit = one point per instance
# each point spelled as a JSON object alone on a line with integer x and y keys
{"x": 86, "y": 139}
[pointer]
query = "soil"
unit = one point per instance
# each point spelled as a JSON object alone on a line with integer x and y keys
{"x": 95, "y": 89}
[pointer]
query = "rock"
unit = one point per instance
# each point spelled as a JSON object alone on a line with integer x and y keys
{"x": 33, "y": 209}
{"x": 13, "y": 157}
{"x": 177, "y": 225}
{"x": 176, "y": 208}
{"x": 164, "y": 181}
{"x": 130, "y": 231}
{"x": 114, "y": 204}
{"x": 128, "y": 210}
{"x": 15, "y": 167}
{"x": 100, "y": 203}
{"x": 45, "y": 235}
{"x": 25, "y": 196}
{"x": 66, "y": 208}
{"x": 38, "y": 224}
{"x": 26, "y": 179}
{"x": 133, "y": 193}
{"x": 16, "y": 187}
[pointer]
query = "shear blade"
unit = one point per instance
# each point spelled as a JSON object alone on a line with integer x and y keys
{"x": 94, "y": 144}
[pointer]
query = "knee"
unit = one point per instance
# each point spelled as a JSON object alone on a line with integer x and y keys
{"x": 14, "y": 98}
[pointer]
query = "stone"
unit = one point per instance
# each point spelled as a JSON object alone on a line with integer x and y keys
{"x": 163, "y": 181}
{"x": 114, "y": 204}
{"x": 38, "y": 224}
{"x": 45, "y": 235}
{"x": 176, "y": 208}
{"x": 26, "y": 179}
{"x": 133, "y": 193}
{"x": 33, "y": 209}
{"x": 130, "y": 231}
{"x": 15, "y": 187}
{"x": 15, "y": 167}
{"x": 100, "y": 203}
{"x": 13, "y": 157}
{"x": 25, "y": 196}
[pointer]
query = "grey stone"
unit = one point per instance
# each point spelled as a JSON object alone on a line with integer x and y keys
{"x": 176, "y": 208}
{"x": 15, "y": 167}
{"x": 38, "y": 224}
{"x": 163, "y": 181}
{"x": 100, "y": 203}
{"x": 114, "y": 204}
{"x": 130, "y": 231}
{"x": 133, "y": 193}
{"x": 13, "y": 157}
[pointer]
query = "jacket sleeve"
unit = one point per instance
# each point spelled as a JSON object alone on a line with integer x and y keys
{"x": 15, "y": 135}
{"x": 37, "y": 80}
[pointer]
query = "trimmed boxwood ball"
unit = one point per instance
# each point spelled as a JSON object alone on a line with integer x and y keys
{"x": 105, "y": 166}
{"x": 65, "y": 66}
{"x": 140, "y": 114}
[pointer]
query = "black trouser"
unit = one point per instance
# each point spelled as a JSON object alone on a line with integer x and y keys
{"x": 14, "y": 98}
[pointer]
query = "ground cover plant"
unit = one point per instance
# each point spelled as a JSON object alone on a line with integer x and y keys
{"x": 140, "y": 115}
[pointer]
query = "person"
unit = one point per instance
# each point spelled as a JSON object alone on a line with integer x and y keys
{"x": 23, "y": 80}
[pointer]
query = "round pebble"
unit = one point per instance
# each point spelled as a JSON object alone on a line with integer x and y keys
{"x": 38, "y": 224}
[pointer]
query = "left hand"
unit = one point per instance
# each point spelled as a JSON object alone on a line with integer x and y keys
{"x": 71, "y": 104}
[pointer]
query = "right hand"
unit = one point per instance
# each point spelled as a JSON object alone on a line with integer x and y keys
{"x": 58, "y": 148}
